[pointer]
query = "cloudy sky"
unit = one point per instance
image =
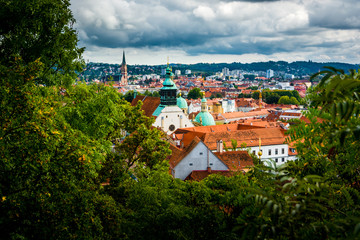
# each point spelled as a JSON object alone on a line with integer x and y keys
{"x": 192, "y": 31}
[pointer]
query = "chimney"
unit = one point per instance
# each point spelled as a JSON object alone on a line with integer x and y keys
{"x": 219, "y": 146}
{"x": 181, "y": 121}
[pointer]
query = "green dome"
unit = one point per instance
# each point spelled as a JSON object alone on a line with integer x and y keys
{"x": 181, "y": 102}
{"x": 203, "y": 100}
{"x": 168, "y": 83}
{"x": 206, "y": 118}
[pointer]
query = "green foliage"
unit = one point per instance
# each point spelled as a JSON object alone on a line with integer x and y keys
{"x": 234, "y": 144}
{"x": 255, "y": 95}
{"x": 249, "y": 76}
{"x": 194, "y": 93}
{"x": 41, "y": 30}
{"x": 273, "y": 96}
{"x": 253, "y": 88}
{"x": 217, "y": 95}
{"x": 78, "y": 162}
{"x": 287, "y": 100}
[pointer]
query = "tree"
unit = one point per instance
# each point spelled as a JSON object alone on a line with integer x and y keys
{"x": 41, "y": 30}
{"x": 48, "y": 170}
{"x": 253, "y": 88}
{"x": 194, "y": 93}
{"x": 234, "y": 144}
{"x": 217, "y": 95}
{"x": 272, "y": 98}
{"x": 255, "y": 95}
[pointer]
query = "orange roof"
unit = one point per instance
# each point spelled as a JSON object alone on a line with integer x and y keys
{"x": 259, "y": 113}
{"x": 149, "y": 104}
{"x": 236, "y": 160}
{"x": 215, "y": 128}
{"x": 306, "y": 120}
{"x": 258, "y": 123}
{"x": 269, "y": 136}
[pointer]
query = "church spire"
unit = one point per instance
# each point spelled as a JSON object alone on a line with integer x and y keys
{"x": 123, "y": 70}
{"x": 123, "y": 61}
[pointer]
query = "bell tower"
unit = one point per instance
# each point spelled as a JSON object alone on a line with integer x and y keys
{"x": 168, "y": 91}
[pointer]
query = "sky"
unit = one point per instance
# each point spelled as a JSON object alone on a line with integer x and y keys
{"x": 194, "y": 31}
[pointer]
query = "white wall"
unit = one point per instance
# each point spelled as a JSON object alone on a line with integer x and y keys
{"x": 280, "y": 156}
{"x": 172, "y": 116}
{"x": 197, "y": 160}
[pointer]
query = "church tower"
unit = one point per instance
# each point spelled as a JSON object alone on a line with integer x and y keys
{"x": 168, "y": 91}
{"x": 123, "y": 69}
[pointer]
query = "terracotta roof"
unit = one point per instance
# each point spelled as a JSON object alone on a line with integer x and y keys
{"x": 269, "y": 136}
{"x": 236, "y": 160}
{"x": 306, "y": 120}
{"x": 218, "y": 128}
{"x": 149, "y": 104}
{"x": 198, "y": 175}
{"x": 253, "y": 123}
{"x": 232, "y": 115}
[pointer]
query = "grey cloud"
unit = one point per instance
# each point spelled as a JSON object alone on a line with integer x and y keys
{"x": 218, "y": 27}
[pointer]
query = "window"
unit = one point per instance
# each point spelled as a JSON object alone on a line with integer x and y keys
{"x": 211, "y": 164}
{"x": 201, "y": 153}
{"x": 276, "y": 160}
{"x": 172, "y": 127}
{"x": 185, "y": 125}
{"x": 190, "y": 164}
{"x": 283, "y": 159}
{"x": 276, "y": 151}
{"x": 254, "y": 152}
{"x": 283, "y": 151}
{"x": 269, "y": 152}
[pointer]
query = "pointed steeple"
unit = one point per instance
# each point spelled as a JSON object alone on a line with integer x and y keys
{"x": 123, "y": 70}
{"x": 123, "y": 61}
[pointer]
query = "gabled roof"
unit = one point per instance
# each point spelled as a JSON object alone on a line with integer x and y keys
{"x": 149, "y": 104}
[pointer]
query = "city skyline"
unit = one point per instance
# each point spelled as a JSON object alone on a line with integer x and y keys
{"x": 218, "y": 31}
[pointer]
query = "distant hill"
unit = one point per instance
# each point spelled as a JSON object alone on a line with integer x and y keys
{"x": 299, "y": 68}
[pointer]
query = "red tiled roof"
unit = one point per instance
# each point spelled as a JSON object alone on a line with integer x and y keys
{"x": 149, "y": 104}
{"x": 232, "y": 115}
{"x": 269, "y": 136}
{"x": 236, "y": 160}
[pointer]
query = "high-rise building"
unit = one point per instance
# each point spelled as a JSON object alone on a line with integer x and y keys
{"x": 123, "y": 70}
{"x": 225, "y": 72}
{"x": 269, "y": 73}
{"x": 177, "y": 72}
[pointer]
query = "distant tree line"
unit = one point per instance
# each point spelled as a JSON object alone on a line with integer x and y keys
{"x": 274, "y": 96}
